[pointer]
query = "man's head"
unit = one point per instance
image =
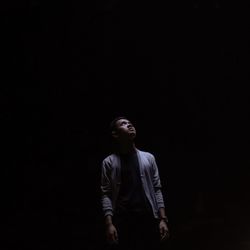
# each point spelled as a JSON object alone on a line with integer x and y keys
{"x": 122, "y": 129}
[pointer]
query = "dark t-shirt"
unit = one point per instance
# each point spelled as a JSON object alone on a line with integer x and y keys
{"x": 131, "y": 197}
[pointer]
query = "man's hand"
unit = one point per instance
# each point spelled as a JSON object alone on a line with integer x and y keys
{"x": 111, "y": 234}
{"x": 164, "y": 231}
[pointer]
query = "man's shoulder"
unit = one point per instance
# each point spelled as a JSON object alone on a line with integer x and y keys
{"x": 145, "y": 154}
{"x": 110, "y": 158}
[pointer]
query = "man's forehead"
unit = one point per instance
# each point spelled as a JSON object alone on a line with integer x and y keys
{"x": 122, "y": 120}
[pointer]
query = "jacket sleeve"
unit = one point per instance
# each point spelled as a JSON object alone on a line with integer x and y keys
{"x": 157, "y": 184}
{"x": 106, "y": 190}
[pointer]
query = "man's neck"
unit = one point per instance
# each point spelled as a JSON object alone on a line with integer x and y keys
{"x": 127, "y": 148}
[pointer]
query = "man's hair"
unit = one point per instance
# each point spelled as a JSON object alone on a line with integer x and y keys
{"x": 112, "y": 125}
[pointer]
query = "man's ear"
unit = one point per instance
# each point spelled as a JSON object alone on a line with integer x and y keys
{"x": 114, "y": 134}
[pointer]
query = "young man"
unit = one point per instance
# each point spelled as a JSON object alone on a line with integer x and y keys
{"x": 132, "y": 200}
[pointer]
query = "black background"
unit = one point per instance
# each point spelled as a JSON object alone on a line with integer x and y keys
{"x": 179, "y": 72}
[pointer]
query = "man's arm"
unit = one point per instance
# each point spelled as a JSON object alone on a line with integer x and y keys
{"x": 162, "y": 214}
{"x": 111, "y": 232}
{"x": 106, "y": 191}
{"x": 163, "y": 220}
{"x": 108, "y": 220}
{"x": 157, "y": 184}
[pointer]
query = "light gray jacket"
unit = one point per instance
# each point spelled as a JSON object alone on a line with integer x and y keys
{"x": 111, "y": 181}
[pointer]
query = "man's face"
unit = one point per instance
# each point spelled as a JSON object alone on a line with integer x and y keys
{"x": 125, "y": 129}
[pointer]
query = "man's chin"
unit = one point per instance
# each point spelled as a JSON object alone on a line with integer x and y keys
{"x": 132, "y": 135}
